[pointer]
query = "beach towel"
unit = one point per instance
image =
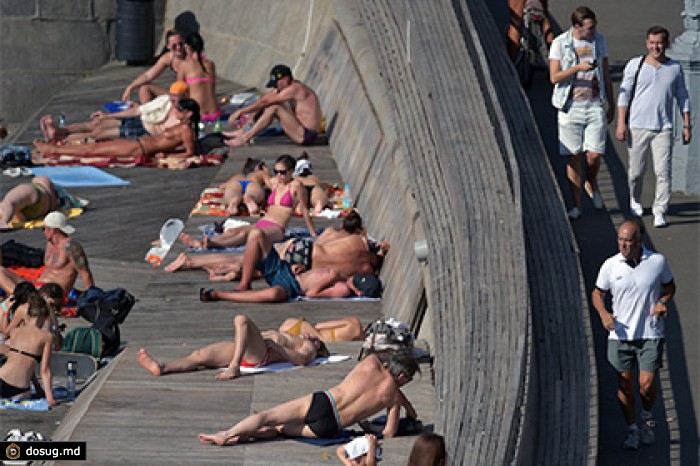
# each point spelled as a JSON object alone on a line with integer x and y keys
{"x": 25, "y": 405}
{"x": 212, "y": 230}
{"x": 343, "y": 436}
{"x": 39, "y": 223}
{"x": 349, "y": 298}
{"x": 100, "y": 161}
{"x": 285, "y": 366}
{"x": 79, "y": 176}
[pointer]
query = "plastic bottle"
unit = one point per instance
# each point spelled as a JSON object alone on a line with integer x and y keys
{"x": 71, "y": 373}
{"x": 347, "y": 197}
{"x": 62, "y": 120}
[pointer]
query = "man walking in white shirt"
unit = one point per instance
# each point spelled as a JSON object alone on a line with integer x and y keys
{"x": 645, "y": 119}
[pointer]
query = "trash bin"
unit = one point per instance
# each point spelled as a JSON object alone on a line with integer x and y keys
{"x": 135, "y": 25}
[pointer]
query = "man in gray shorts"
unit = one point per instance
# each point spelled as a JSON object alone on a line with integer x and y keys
{"x": 642, "y": 285}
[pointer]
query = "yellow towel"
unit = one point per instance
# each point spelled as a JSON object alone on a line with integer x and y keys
{"x": 38, "y": 223}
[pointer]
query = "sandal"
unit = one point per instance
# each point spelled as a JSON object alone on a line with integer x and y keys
{"x": 206, "y": 295}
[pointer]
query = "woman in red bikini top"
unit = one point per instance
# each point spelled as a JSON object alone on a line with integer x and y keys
{"x": 200, "y": 75}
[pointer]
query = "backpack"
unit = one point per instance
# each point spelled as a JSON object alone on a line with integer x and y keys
{"x": 385, "y": 335}
{"x": 14, "y": 253}
{"x": 86, "y": 340}
{"x": 112, "y": 306}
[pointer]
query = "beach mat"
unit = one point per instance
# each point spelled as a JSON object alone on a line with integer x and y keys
{"x": 285, "y": 366}
{"x": 79, "y": 176}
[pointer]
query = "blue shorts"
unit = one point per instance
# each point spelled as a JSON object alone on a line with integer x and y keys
{"x": 279, "y": 273}
{"x": 132, "y": 128}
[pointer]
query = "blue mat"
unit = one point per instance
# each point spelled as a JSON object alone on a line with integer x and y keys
{"x": 79, "y": 176}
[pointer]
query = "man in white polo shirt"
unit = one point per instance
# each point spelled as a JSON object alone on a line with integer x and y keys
{"x": 651, "y": 82}
{"x": 641, "y": 285}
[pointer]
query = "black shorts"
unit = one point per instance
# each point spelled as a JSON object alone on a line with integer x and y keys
{"x": 322, "y": 417}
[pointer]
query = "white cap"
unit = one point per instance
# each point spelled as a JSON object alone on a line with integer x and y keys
{"x": 58, "y": 220}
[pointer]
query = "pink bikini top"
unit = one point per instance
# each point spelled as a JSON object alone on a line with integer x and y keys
{"x": 285, "y": 201}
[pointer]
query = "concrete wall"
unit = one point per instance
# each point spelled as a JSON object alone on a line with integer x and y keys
{"x": 47, "y": 44}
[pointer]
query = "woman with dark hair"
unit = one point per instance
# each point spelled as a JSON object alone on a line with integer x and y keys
{"x": 200, "y": 75}
{"x": 31, "y": 346}
{"x": 428, "y": 450}
{"x": 247, "y": 187}
{"x": 286, "y": 194}
{"x": 144, "y": 147}
{"x": 171, "y": 57}
{"x": 53, "y": 296}
{"x": 14, "y": 303}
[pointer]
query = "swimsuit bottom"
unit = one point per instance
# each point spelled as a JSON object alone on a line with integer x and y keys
{"x": 279, "y": 273}
{"x": 211, "y": 117}
{"x": 8, "y": 390}
{"x": 36, "y": 210}
{"x": 132, "y": 128}
{"x": 244, "y": 184}
{"x": 262, "y": 223}
{"x": 265, "y": 361}
{"x": 322, "y": 417}
{"x": 299, "y": 252}
{"x": 309, "y": 137}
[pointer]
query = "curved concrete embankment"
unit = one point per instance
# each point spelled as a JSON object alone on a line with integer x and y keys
{"x": 427, "y": 124}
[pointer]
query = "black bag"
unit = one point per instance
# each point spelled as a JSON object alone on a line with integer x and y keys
{"x": 14, "y": 253}
{"x": 106, "y": 310}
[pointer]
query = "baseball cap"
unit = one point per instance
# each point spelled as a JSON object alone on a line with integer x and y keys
{"x": 58, "y": 220}
{"x": 303, "y": 168}
{"x": 369, "y": 285}
{"x": 278, "y": 72}
{"x": 178, "y": 87}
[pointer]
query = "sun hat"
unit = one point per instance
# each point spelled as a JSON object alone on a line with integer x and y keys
{"x": 157, "y": 110}
{"x": 58, "y": 220}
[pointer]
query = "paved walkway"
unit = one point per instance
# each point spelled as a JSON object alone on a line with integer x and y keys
{"x": 677, "y": 414}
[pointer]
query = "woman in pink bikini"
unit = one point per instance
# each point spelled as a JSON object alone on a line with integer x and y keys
{"x": 286, "y": 194}
{"x": 200, "y": 75}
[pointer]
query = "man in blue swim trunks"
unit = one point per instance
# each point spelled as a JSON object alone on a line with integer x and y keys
{"x": 324, "y": 413}
{"x": 294, "y": 104}
{"x": 289, "y": 281}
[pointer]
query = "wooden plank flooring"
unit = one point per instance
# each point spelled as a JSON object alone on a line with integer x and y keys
{"x": 130, "y": 416}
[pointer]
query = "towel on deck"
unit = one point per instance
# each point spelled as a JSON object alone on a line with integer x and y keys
{"x": 100, "y": 161}
{"x": 25, "y": 405}
{"x": 38, "y": 223}
{"x": 285, "y": 366}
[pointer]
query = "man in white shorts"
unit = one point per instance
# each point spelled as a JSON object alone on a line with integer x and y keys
{"x": 578, "y": 65}
{"x": 647, "y": 122}
{"x": 641, "y": 284}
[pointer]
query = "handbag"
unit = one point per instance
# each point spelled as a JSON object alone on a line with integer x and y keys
{"x": 157, "y": 110}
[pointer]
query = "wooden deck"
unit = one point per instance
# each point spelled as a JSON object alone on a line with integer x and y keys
{"x": 127, "y": 415}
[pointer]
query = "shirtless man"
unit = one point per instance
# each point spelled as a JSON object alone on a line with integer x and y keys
{"x": 167, "y": 143}
{"x": 126, "y": 124}
{"x": 172, "y": 57}
{"x": 289, "y": 281}
{"x": 64, "y": 258}
{"x": 346, "y": 251}
{"x": 292, "y": 102}
{"x": 250, "y": 348}
{"x": 324, "y": 413}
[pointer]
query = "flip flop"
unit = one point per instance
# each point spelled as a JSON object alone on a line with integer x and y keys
{"x": 14, "y": 172}
{"x": 205, "y": 295}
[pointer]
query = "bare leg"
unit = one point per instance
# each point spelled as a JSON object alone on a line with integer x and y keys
{"x": 592, "y": 168}
{"x": 9, "y": 280}
{"x": 273, "y": 294}
{"x": 257, "y": 248}
{"x": 573, "y": 173}
{"x": 116, "y": 147}
{"x": 648, "y": 389}
{"x": 181, "y": 263}
{"x": 213, "y": 356}
{"x": 148, "y": 92}
{"x": 625, "y": 395}
{"x": 15, "y": 200}
{"x": 188, "y": 240}
{"x": 249, "y": 344}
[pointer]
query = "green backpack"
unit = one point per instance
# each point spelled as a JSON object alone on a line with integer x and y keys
{"x": 86, "y": 340}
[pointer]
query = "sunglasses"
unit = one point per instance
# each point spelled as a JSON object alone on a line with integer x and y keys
{"x": 280, "y": 172}
{"x": 177, "y": 44}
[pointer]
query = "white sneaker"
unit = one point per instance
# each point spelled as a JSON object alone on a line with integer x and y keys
{"x": 597, "y": 200}
{"x": 659, "y": 221}
{"x": 574, "y": 213}
{"x": 636, "y": 208}
{"x": 647, "y": 432}
{"x": 632, "y": 439}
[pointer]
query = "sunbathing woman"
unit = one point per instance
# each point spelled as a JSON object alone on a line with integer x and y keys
{"x": 54, "y": 297}
{"x": 345, "y": 329}
{"x": 286, "y": 194}
{"x": 31, "y": 345}
{"x": 251, "y": 347}
{"x": 145, "y": 147}
{"x": 316, "y": 195}
{"x": 171, "y": 57}
{"x": 200, "y": 75}
{"x": 247, "y": 188}
{"x": 28, "y": 201}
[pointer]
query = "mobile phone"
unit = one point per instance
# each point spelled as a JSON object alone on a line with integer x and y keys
{"x": 594, "y": 63}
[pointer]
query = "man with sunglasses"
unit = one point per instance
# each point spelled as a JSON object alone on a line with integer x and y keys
{"x": 293, "y": 103}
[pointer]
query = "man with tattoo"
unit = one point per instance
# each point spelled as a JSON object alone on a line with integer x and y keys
{"x": 64, "y": 258}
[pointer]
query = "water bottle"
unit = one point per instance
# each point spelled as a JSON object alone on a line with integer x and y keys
{"x": 217, "y": 126}
{"x": 347, "y": 197}
{"x": 62, "y": 120}
{"x": 71, "y": 373}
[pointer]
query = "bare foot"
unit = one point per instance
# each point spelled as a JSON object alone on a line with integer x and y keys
{"x": 236, "y": 142}
{"x": 47, "y": 127}
{"x": 188, "y": 240}
{"x": 181, "y": 263}
{"x": 233, "y": 207}
{"x": 44, "y": 148}
{"x": 228, "y": 374}
{"x": 220, "y": 438}
{"x": 223, "y": 273}
{"x": 150, "y": 364}
{"x": 233, "y": 134}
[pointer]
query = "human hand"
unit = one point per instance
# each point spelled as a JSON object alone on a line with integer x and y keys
{"x": 621, "y": 131}
{"x": 660, "y": 310}
{"x": 126, "y": 95}
{"x": 587, "y": 66}
{"x": 686, "y": 135}
{"x": 234, "y": 117}
{"x": 608, "y": 321}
